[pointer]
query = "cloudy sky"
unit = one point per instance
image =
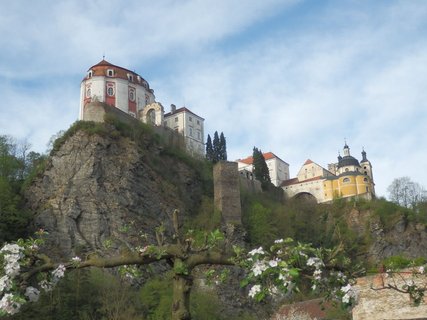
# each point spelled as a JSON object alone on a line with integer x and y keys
{"x": 293, "y": 77}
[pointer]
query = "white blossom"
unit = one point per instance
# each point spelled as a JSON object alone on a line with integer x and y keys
{"x": 259, "y": 267}
{"x": 12, "y": 268}
{"x": 278, "y": 241}
{"x": 349, "y": 293}
{"x": 5, "y": 283}
{"x": 58, "y": 273}
{"x": 46, "y": 285}
{"x": 76, "y": 260}
{"x": 317, "y": 274}
{"x": 254, "y": 290}
{"x": 273, "y": 263}
{"x": 421, "y": 269}
{"x": 316, "y": 262}
{"x": 11, "y": 248}
{"x": 32, "y": 293}
{"x": 8, "y": 304}
{"x": 260, "y": 250}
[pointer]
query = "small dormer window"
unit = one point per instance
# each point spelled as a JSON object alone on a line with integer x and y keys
{"x": 89, "y": 74}
{"x": 130, "y": 77}
{"x": 139, "y": 78}
{"x": 110, "y": 72}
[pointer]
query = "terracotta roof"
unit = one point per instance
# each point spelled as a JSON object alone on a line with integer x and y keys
{"x": 308, "y": 161}
{"x": 296, "y": 181}
{"x": 179, "y": 110}
{"x": 314, "y": 308}
{"x": 267, "y": 156}
{"x": 100, "y": 69}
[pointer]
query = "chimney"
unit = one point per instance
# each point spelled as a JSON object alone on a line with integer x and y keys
{"x": 173, "y": 108}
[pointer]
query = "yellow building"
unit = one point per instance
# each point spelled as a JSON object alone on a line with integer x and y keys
{"x": 344, "y": 179}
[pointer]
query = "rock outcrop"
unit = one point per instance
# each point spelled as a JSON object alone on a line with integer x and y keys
{"x": 403, "y": 238}
{"x": 101, "y": 187}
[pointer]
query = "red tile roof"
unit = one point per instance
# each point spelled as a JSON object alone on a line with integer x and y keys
{"x": 100, "y": 69}
{"x": 267, "y": 156}
{"x": 308, "y": 161}
{"x": 314, "y": 308}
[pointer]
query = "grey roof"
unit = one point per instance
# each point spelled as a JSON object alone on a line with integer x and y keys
{"x": 348, "y": 161}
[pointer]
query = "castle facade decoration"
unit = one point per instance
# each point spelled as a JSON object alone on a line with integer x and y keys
{"x": 278, "y": 169}
{"x": 346, "y": 178}
{"x": 131, "y": 93}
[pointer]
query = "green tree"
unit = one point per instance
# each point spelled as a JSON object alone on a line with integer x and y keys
{"x": 222, "y": 147}
{"x": 288, "y": 264}
{"x": 209, "y": 149}
{"x": 216, "y": 148}
{"x": 260, "y": 169}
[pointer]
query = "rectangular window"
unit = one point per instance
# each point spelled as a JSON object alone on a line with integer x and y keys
{"x": 190, "y": 118}
{"x": 198, "y": 122}
{"x": 191, "y": 132}
{"x": 198, "y": 135}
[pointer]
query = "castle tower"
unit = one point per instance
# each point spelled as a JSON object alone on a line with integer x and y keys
{"x": 116, "y": 86}
{"x": 366, "y": 166}
{"x": 347, "y": 163}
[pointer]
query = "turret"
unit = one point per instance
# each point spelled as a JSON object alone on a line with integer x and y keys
{"x": 366, "y": 166}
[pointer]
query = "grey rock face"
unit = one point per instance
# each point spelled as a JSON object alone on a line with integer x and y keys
{"x": 96, "y": 189}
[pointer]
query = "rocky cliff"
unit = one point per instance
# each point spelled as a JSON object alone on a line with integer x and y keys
{"x": 398, "y": 237}
{"x": 99, "y": 187}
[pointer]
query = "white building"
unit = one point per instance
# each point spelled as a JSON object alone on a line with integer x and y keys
{"x": 278, "y": 169}
{"x": 190, "y": 125}
{"x": 129, "y": 92}
{"x": 116, "y": 86}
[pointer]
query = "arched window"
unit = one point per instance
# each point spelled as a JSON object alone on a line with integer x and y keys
{"x": 346, "y": 180}
{"x": 365, "y": 179}
{"x": 110, "y": 91}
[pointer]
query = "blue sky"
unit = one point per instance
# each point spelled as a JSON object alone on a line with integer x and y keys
{"x": 293, "y": 77}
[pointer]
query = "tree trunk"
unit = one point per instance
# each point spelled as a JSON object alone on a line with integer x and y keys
{"x": 181, "y": 297}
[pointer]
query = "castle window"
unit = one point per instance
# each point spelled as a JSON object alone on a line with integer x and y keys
{"x": 89, "y": 74}
{"x": 190, "y": 119}
{"x": 110, "y": 91}
{"x": 130, "y": 77}
{"x": 198, "y": 135}
{"x": 191, "y": 132}
{"x": 110, "y": 72}
{"x": 88, "y": 92}
{"x": 346, "y": 169}
{"x": 198, "y": 122}
{"x": 132, "y": 94}
{"x": 346, "y": 180}
{"x": 365, "y": 179}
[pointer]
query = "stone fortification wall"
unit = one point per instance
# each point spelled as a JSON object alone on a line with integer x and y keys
{"x": 96, "y": 111}
{"x": 248, "y": 182}
{"x": 387, "y": 304}
{"x": 227, "y": 192}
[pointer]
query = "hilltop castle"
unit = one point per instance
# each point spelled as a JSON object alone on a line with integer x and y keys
{"x": 130, "y": 93}
{"x": 344, "y": 179}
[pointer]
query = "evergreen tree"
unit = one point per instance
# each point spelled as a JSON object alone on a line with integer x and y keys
{"x": 260, "y": 169}
{"x": 216, "y": 148}
{"x": 223, "y": 147}
{"x": 209, "y": 149}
